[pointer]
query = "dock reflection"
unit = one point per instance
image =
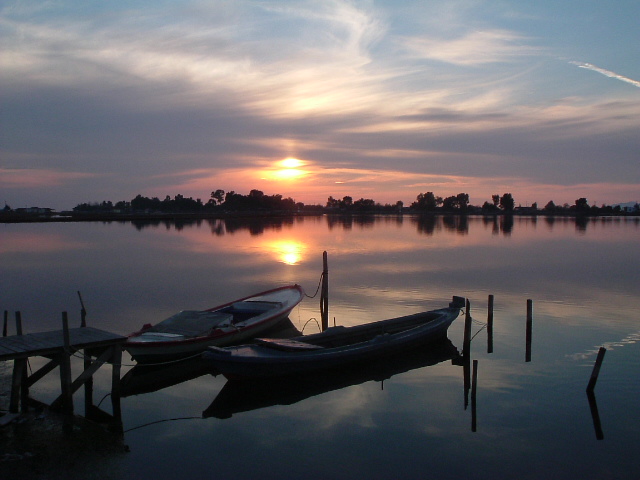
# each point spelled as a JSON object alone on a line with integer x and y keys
{"x": 245, "y": 395}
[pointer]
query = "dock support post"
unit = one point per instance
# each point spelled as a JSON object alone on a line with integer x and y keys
{"x": 116, "y": 360}
{"x": 529, "y": 329}
{"x": 65, "y": 368}
{"x": 17, "y": 385}
{"x": 88, "y": 386}
{"x": 324, "y": 296}
{"x": 4, "y": 326}
{"x": 19, "y": 389}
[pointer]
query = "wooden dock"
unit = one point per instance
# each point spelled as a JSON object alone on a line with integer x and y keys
{"x": 97, "y": 347}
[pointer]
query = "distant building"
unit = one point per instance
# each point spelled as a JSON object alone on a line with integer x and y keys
{"x": 34, "y": 211}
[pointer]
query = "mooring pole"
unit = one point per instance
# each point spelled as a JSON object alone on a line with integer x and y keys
{"x": 474, "y": 389}
{"x": 596, "y": 370}
{"x": 490, "y": 325}
{"x": 529, "y": 329}
{"x": 466, "y": 353}
{"x": 595, "y": 416}
{"x": 83, "y": 312}
{"x": 324, "y": 296}
{"x": 18, "y": 323}
{"x": 466, "y": 343}
{"x": 4, "y": 326}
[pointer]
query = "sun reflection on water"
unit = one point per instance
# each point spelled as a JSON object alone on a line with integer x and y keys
{"x": 290, "y": 252}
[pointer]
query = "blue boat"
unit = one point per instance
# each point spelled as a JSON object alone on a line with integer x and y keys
{"x": 336, "y": 346}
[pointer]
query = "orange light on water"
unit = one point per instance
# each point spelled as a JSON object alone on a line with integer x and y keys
{"x": 290, "y": 252}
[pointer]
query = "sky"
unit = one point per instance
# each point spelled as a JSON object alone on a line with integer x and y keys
{"x": 379, "y": 100}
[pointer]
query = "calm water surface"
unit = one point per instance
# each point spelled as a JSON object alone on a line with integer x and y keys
{"x": 409, "y": 419}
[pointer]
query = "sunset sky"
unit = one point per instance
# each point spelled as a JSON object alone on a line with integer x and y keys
{"x": 104, "y": 100}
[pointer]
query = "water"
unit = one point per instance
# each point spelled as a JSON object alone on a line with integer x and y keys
{"x": 532, "y": 418}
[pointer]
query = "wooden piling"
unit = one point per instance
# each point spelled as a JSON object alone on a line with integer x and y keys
{"x": 324, "y": 296}
{"x": 83, "y": 312}
{"x": 4, "y": 325}
{"x": 474, "y": 389}
{"x": 18, "y": 323}
{"x": 466, "y": 353}
{"x": 490, "y": 325}
{"x": 595, "y": 416}
{"x": 65, "y": 368}
{"x": 596, "y": 370}
{"x": 466, "y": 344}
{"x": 88, "y": 385}
{"x": 529, "y": 329}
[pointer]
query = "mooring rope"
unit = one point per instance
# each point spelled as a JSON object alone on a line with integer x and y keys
{"x": 181, "y": 359}
{"x": 305, "y": 324}
{"x": 317, "y": 289}
{"x": 162, "y": 421}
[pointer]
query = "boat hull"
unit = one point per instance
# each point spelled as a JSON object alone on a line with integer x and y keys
{"x": 322, "y": 351}
{"x": 146, "y": 347}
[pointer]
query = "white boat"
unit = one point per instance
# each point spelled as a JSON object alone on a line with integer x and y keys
{"x": 335, "y": 347}
{"x": 190, "y": 332}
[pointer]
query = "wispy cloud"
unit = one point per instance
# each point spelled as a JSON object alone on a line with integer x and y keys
{"x": 607, "y": 73}
{"x": 472, "y": 48}
{"x": 32, "y": 178}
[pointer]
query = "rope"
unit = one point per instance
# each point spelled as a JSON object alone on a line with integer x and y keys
{"x": 181, "y": 359}
{"x": 161, "y": 421}
{"x": 317, "y": 289}
{"x": 305, "y": 324}
{"x": 100, "y": 402}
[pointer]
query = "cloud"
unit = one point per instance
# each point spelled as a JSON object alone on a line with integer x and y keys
{"x": 607, "y": 73}
{"x": 472, "y": 48}
{"x": 38, "y": 178}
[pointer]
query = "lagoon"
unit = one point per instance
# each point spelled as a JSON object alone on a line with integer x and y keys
{"x": 532, "y": 418}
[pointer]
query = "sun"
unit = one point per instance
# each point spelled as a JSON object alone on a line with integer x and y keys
{"x": 291, "y": 163}
{"x": 289, "y": 169}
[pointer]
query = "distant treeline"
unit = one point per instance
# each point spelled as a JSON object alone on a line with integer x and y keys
{"x": 256, "y": 202}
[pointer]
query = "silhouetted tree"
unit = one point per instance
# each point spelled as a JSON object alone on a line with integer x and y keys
{"x": 462, "y": 200}
{"x": 507, "y": 202}
{"x": 217, "y": 197}
{"x": 581, "y": 205}
{"x": 426, "y": 201}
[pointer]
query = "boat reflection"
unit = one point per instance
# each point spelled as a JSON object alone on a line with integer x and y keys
{"x": 151, "y": 378}
{"x": 245, "y": 395}
{"x": 147, "y": 378}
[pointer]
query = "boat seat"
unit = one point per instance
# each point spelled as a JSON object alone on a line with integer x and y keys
{"x": 286, "y": 344}
{"x": 251, "y": 307}
{"x": 192, "y": 323}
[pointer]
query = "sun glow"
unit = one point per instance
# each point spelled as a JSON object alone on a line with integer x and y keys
{"x": 288, "y": 169}
{"x": 291, "y": 163}
{"x": 287, "y": 251}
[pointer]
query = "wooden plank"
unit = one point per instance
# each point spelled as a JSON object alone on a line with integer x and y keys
{"x": 42, "y": 371}
{"x": 47, "y": 343}
{"x": 85, "y": 375}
